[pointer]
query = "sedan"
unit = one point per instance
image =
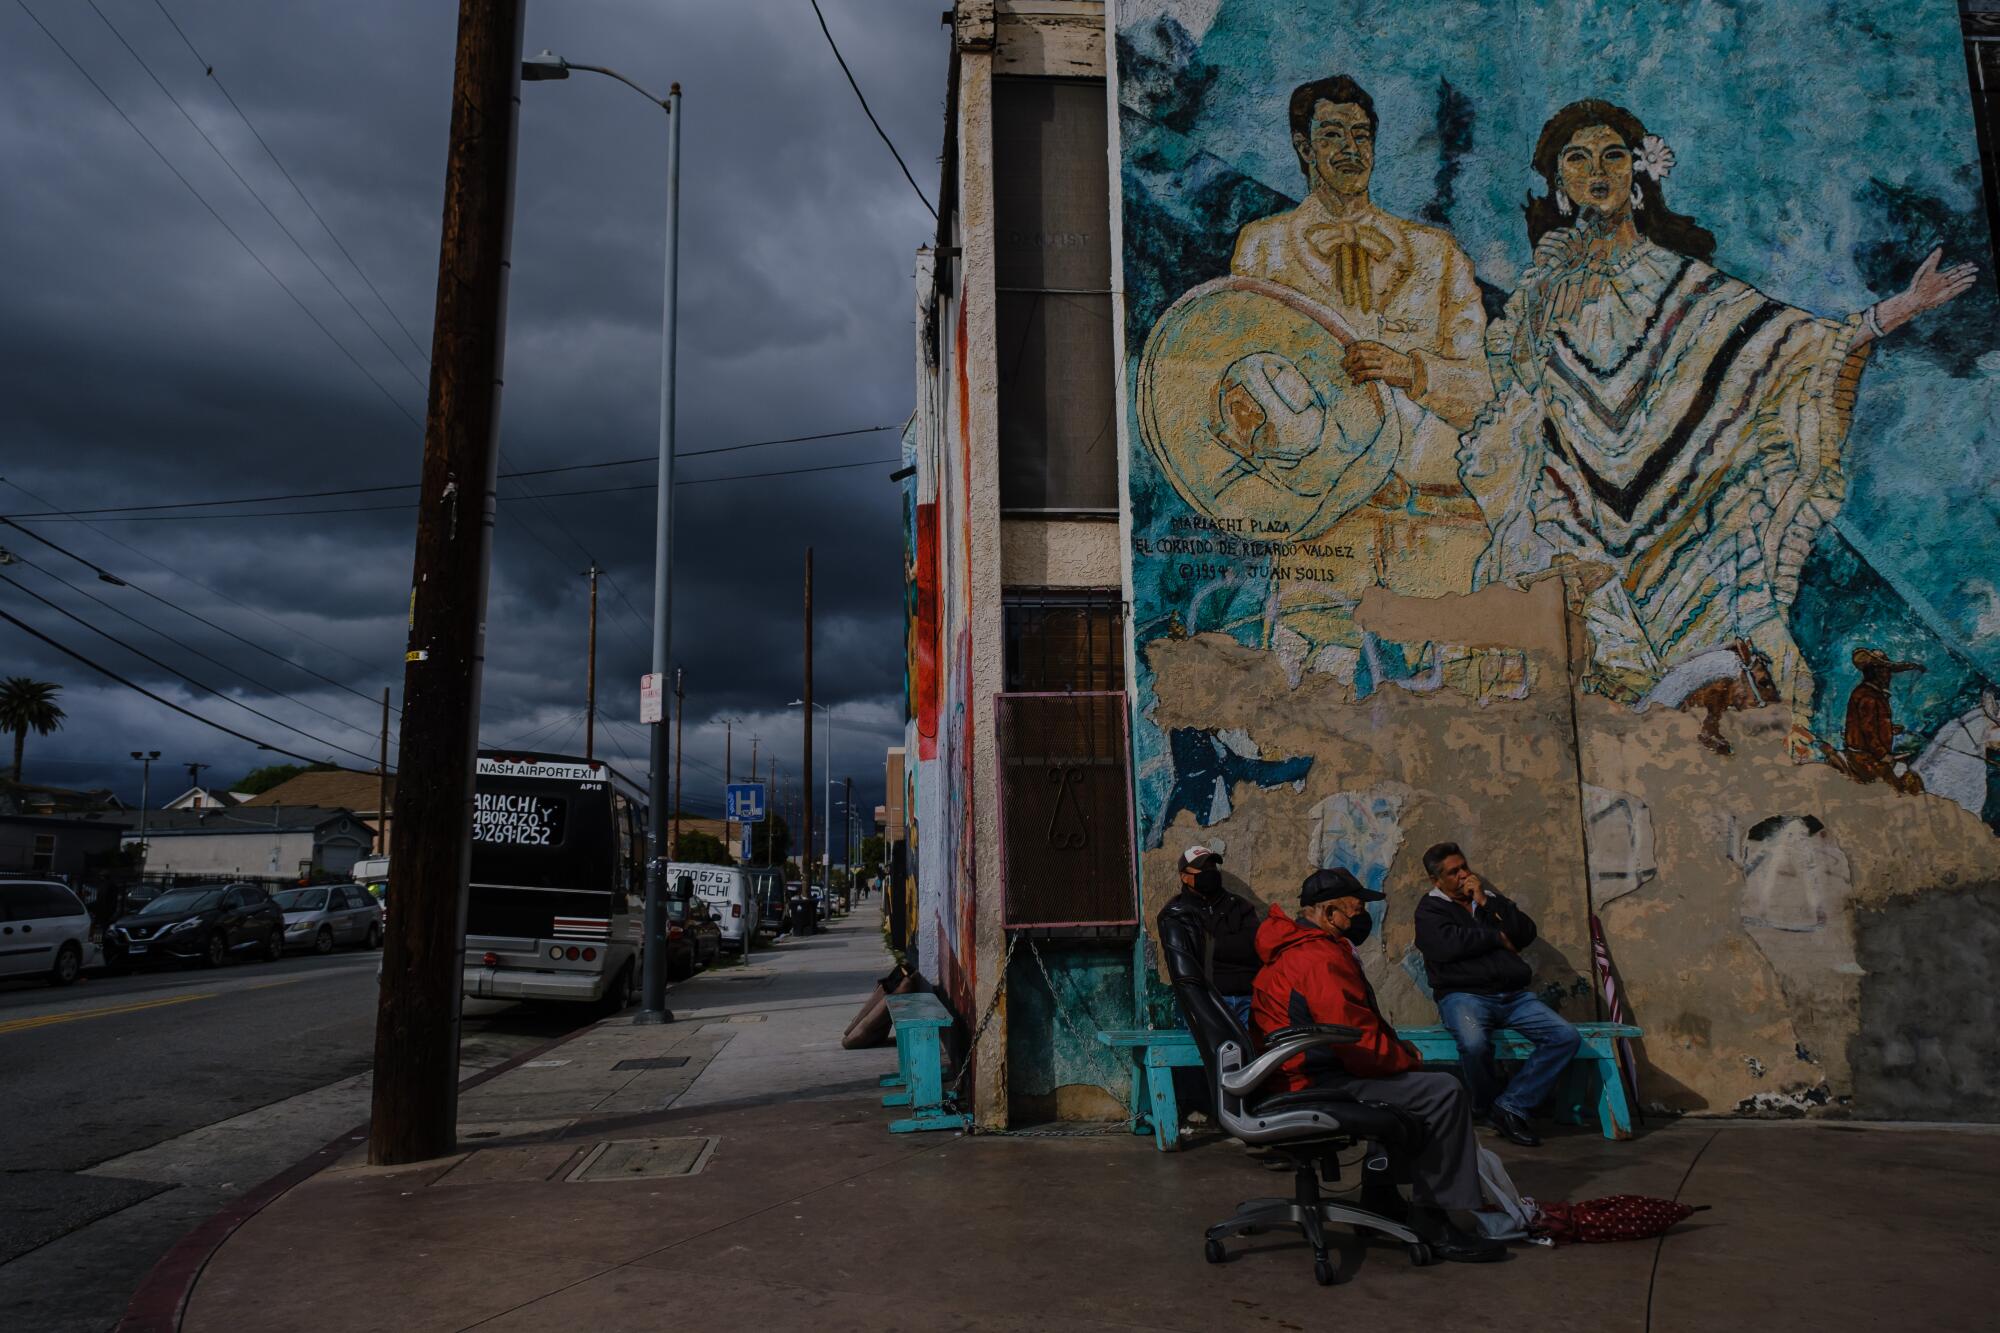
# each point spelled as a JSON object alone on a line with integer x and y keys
{"x": 205, "y": 923}
{"x": 326, "y": 916}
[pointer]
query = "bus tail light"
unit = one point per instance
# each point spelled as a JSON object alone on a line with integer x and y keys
{"x": 590, "y": 955}
{"x": 736, "y": 909}
{"x": 555, "y": 951}
{"x": 570, "y": 953}
{"x": 491, "y": 959}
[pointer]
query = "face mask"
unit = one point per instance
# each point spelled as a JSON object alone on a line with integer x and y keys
{"x": 1208, "y": 881}
{"x": 1359, "y": 929}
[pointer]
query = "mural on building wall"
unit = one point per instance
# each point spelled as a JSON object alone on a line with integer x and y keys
{"x": 1429, "y": 298}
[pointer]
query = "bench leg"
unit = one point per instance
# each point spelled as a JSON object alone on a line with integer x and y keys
{"x": 1614, "y": 1113}
{"x": 1165, "y": 1110}
{"x": 892, "y": 1080}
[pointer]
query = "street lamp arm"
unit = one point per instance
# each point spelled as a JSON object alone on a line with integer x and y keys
{"x": 660, "y": 102}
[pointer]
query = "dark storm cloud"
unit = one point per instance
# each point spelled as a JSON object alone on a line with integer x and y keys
{"x": 145, "y": 357}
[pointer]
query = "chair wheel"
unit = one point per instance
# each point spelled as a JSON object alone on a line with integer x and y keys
{"x": 1323, "y": 1271}
{"x": 1213, "y": 1252}
{"x": 1420, "y": 1254}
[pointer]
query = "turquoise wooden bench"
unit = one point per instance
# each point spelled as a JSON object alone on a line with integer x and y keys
{"x": 1155, "y": 1054}
{"x": 1593, "y": 1081}
{"x": 920, "y": 1020}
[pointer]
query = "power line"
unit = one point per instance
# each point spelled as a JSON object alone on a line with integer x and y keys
{"x": 865, "y": 111}
{"x": 143, "y": 655}
{"x": 380, "y": 509}
{"x": 186, "y": 712}
{"x": 504, "y": 476}
{"x": 209, "y": 69}
{"x": 188, "y": 647}
{"x": 144, "y": 591}
{"x": 251, "y": 190}
{"x": 220, "y": 220}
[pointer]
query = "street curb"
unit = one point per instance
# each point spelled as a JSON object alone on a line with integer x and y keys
{"x": 161, "y": 1301}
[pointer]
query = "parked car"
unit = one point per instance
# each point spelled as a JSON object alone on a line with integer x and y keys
{"x": 691, "y": 921}
{"x": 324, "y": 916}
{"x": 44, "y": 931}
{"x": 205, "y": 923}
{"x": 727, "y": 891}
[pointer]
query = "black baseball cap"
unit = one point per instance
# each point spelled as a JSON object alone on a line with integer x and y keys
{"x": 1325, "y": 885}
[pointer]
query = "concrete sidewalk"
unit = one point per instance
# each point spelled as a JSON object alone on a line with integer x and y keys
{"x": 802, "y": 1212}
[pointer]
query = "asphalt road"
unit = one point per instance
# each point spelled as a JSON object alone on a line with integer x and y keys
{"x": 108, "y": 1087}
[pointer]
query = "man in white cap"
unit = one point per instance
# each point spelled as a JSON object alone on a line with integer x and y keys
{"x": 1225, "y": 922}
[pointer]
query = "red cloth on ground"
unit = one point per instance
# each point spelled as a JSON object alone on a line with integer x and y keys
{"x": 1618, "y": 1217}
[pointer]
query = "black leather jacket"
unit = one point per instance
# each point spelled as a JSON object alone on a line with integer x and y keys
{"x": 1231, "y": 924}
{"x": 1462, "y": 949}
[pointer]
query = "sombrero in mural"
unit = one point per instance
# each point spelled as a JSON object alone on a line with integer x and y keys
{"x": 1242, "y": 399}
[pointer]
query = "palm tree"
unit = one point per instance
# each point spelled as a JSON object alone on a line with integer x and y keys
{"x": 28, "y": 705}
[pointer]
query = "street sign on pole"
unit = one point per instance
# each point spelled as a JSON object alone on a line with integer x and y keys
{"x": 649, "y": 697}
{"x": 744, "y": 802}
{"x": 746, "y": 853}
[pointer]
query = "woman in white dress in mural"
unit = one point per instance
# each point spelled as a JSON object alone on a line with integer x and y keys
{"x": 1662, "y": 421}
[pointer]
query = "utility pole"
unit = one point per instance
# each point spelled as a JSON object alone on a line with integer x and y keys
{"x": 771, "y": 826}
{"x": 653, "y": 1000}
{"x": 806, "y": 768}
{"x": 847, "y": 840}
{"x": 590, "y": 673}
{"x": 146, "y": 758}
{"x": 194, "y": 772}
{"x": 415, "y": 1103}
{"x": 680, "y": 713}
{"x": 382, "y": 784}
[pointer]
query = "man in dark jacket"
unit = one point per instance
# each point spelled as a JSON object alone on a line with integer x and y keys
{"x": 1471, "y": 938}
{"x": 1226, "y": 923}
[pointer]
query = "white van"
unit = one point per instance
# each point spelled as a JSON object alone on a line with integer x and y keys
{"x": 726, "y": 889}
{"x": 44, "y": 931}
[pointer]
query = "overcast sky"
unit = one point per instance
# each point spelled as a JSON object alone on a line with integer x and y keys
{"x": 145, "y": 357}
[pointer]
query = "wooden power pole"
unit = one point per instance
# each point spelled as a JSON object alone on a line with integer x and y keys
{"x": 382, "y": 784}
{"x": 416, "y": 1028}
{"x": 590, "y": 673}
{"x": 806, "y": 717}
{"x": 680, "y": 711}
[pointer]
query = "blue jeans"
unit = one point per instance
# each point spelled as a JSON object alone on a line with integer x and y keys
{"x": 1239, "y": 1005}
{"x": 1473, "y": 1018}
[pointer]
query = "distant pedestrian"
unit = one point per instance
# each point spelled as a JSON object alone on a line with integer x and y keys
{"x": 1471, "y": 937}
{"x": 1224, "y": 922}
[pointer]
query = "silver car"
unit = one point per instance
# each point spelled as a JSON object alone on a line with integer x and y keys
{"x": 325, "y": 916}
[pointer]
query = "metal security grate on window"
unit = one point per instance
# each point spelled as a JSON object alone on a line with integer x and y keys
{"x": 1065, "y": 810}
{"x": 1063, "y": 641}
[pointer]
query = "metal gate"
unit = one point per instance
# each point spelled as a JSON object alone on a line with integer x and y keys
{"x": 1065, "y": 809}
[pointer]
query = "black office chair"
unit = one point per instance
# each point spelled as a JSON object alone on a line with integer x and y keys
{"x": 1308, "y": 1128}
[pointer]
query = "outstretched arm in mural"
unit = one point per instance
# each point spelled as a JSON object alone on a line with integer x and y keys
{"x": 1931, "y": 288}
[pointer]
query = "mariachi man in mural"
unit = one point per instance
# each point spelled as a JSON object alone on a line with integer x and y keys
{"x": 1662, "y": 420}
{"x": 1408, "y": 294}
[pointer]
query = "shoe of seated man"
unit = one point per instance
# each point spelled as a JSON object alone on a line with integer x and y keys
{"x": 1451, "y": 1244}
{"x": 1513, "y": 1127}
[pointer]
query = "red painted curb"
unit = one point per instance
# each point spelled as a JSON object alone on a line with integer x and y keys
{"x": 161, "y": 1301}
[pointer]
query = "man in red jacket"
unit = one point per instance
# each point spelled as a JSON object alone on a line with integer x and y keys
{"x": 1311, "y": 975}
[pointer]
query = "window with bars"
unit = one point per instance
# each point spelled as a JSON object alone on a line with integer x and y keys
{"x": 1065, "y": 769}
{"x": 1064, "y": 641}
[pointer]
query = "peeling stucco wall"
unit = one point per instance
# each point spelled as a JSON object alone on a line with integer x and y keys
{"x": 1675, "y": 626}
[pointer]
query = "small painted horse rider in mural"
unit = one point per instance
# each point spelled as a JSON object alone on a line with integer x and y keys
{"x": 1661, "y": 419}
{"x": 1870, "y": 753}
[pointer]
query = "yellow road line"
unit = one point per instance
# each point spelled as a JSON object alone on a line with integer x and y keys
{"x": 45, "y": 1020}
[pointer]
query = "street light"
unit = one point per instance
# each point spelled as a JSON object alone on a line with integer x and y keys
{"x": 542, "y": 68}
{"x": 145, "y": 758}
{"x": 826, "y": 840}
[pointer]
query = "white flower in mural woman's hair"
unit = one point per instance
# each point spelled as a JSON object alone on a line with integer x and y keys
{"x": 1655, "y": 159}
